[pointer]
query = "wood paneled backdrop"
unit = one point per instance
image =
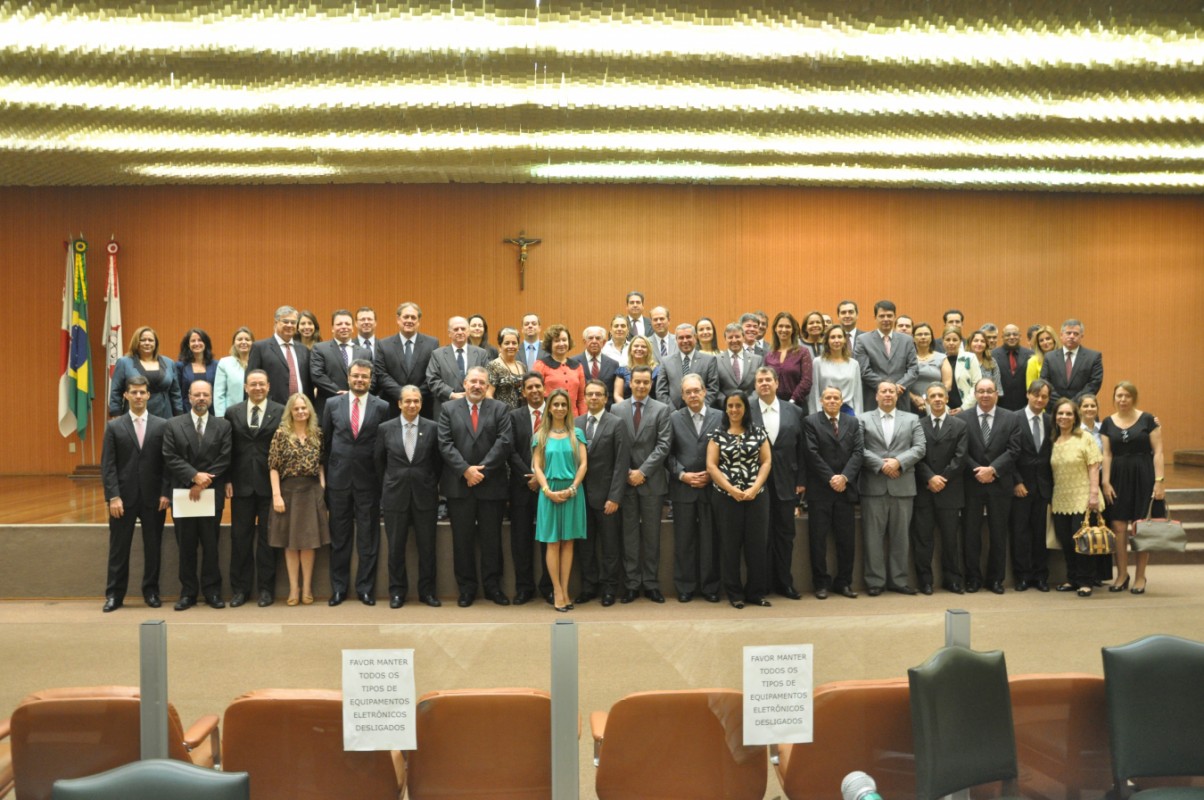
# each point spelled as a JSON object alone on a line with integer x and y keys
{"x": 1132, "y": 267}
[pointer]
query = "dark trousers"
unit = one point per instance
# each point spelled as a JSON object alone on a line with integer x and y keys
{"x": 1080, "y": 570}
{"x": 1030, "y": 557}
{"x": 354, "y": 517}
{"x": 397, "y": 530}
{"x": 998, "y": 506}
{"x": 476, "y": 523}
{"x": 121, "y": 535}
{"x": 604, "y": 533}
{"x": 781, "y": 542}
{"x": 192, "y": 532}
{"x": 249, "y": 543}
{"x": 743, "y": 529}
{"x": 695, "y": 546}
{"x": 831, "y": 513}
{"x": 925, "y": 518}
{"x": 522, "y": 544}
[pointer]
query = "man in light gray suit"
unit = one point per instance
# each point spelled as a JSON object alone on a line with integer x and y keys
{"x": 695, "y": 539}
{"x": 450, "y": 364}
{"x": 645, "y": 425}
{"x": 664, "y": 344}
{"x": 685, "y": 361}
{"x": 886, "y": 356}
{"x": 736, "y": 367}
{"x": 604, "y": 485}
{"x": 894, "y": 443}
{"x": 530, "y": 349}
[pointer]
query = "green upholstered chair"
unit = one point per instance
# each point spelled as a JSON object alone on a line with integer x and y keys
{"x": 156, "y": 779}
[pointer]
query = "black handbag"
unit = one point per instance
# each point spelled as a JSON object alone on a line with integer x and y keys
{"x": 1094, "y": 540}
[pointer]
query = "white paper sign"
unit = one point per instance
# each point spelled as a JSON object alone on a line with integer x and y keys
{"x": 378, "y": 700}
{"x": 777, "y": 694}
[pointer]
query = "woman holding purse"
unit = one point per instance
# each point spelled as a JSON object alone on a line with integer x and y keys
{"x": 1076, "y": 467}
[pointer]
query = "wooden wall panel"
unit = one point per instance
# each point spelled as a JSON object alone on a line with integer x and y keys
{"x": 218, "y": 257}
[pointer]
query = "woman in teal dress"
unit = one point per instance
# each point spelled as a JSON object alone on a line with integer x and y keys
{"x": 559, "y": 464}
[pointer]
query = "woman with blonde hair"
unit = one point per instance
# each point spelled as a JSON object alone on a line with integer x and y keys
{"x": 559, "y": 462}
{"x": 639, "y": 354}
{"x": 1043, "y": 340}
{"x": 298, "y": 522}
{"x": 231, "y": 372}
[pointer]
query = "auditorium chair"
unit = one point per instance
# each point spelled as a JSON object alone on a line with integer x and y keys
{"x": 290, "y": 741}
{"x": 482, "y": 744}
{"x": 6, "y": 759}
{"x": 154, "y": 780}
{"x": 78, "y": 731}
{"x": 1061, "y": 734}
{"x": 677, "y": 745}
{"x": 961, "y": 722}
{"x": 1155, "y": 691}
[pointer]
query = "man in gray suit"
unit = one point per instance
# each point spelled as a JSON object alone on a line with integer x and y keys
{"x": 886, "y": 356}
{"x": 531, "y": 349}
{"x": 736, "y": 367}
{"x": 645, "y": 425}
{"x": 894, "y": 443}
{"x": 1073, "y": 371}
{"x": 449, "y": 364}
{"x": 695, "y": 539}
{"x": 686, "y": 361}
{"x": 604, "y": 485}
{"x": 637, "y": 323}
{"x": 664, "y": 345}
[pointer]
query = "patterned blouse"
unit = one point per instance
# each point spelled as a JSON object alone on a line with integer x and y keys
{"x": 293, "y": 459}
{"x": 740, "y": 456}
{"x": 507, "y": 386}
{"x": 1071, "y": 461}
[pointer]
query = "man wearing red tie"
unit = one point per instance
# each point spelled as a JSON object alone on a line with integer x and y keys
{"x": 284, "y": 360}
{"x": 598, "y": 367}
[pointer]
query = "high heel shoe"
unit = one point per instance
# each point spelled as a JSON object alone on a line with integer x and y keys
{"x": 307, "y": 599}
{"x": 1138, "y": 589}
{"x": 1122, "y": 587}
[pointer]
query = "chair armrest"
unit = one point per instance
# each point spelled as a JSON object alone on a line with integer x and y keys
{"x": 597, "y": 729}
{"x": 205, "y": 728}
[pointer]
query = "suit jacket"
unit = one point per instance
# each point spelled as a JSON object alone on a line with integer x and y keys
{"x": 249, "y": 446}
{"x": 788, "y": 469}
{"x": 520, "y": 453}
{"x": 727, "y": 378}
{"x": 829, "y": 455}
{"x": 390, "y": 372}
{"x": 607, "y": 372}
{"x": 607, "y": 457}
{"x": 267, "y": 356}
{"x": 443, "y": 373}
{"x": 688, "y": 451}
{"x": 1086, "y": 377}
{"x": 165, "y": 402}
{"x": 648, "y": 448}
{"x": 900, "y": 368}
{"x": 670, "y": 346}
{"x": 488, "y": 447}
{"x": 1032, "y": 465}
{"x": 1012, "y": 383}
{"x": 327, "y": 372}
{"x": 184, "y": 456}
{"x": 668, "y": 380}
{"x": 906, "y": 445}
{"x": 641, "y": 327}
{"x": 539, "y": 353}
{"x": 1001, "y": 452}
{"x": 944, "y": 455}
{"x": 405, "y": 482}
{"x": 349, "y": 459}
{"x": 135, "y": 474}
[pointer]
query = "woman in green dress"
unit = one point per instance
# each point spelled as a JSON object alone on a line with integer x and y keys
{"x": 559, "y": 464}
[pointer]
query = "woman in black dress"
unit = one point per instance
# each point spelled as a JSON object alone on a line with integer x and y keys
{"x": 1133, "y": 473}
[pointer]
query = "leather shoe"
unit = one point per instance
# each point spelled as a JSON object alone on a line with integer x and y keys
{"x": 215, "y": 601}
{"x": 711, "y": 598}
{"x": 608, "y": 600}
{"x": 396, "y": 601}
{"x": 366, "y": 599}
{"x": 973, "y": 586}
{"x": 1065, "y": 587}
{"x": 685, "y": 597}
{"x": 654, "y": 595}
{"x": 1042, "y": 586}
{"x": 465, "y": 600}
{"x": 629, "y": 596}
{"x": 956, "y": 588}
{"x": 239, "y": 599}
{"x": 337, "y": 598}
{"x": 185, "y": 603}
{"x": 997, "y": 587}
{"x": 431, "y": 600}
{"x": 902, "y": 590}
{"x": 153, "y": 600}
{"x": 874, "y": 591}
{"x": 111, "y": 604}
{"x": 737, "y": 603}
{"x": 523, "y": 597}
{"x": 847, "y": 591}
{"x": 500, "y": 599}
{"x": 584, "y": 597}
{"x": 1022, "y": 586}
{"x": 821, "y": 594}
{"x": 926, "y": 588}
{"x": 791, "y": 593}
{"x": 760, "y": 601}
{"x": 266, "y": 599}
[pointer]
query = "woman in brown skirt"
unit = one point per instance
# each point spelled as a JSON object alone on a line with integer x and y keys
{"x": 298, "y": 521}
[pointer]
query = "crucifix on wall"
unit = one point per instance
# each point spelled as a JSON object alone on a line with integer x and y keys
{"x": 523, "y": 244}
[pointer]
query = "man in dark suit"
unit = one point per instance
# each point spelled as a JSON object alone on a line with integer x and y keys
{"x": 834, "y": 455}
{"x": 253, "y": 423}
{"x": 645, "y": 424}
{"x": 196, "y": 453}
{"x": 687, "y": 360}
{"x": 736, "y": 367}
{"x": 637, "y": 323}
{"x": 1033, "y": 491}
{"x": 409, "y": 463}
{"x": 846, "y": 314}
{"x": 993, "y": 444}
{"x": 285, "y": 360}
{"x": 530, "y": 349}
{"x": 402, "y": 360}
{"x": 524, "y": 493}
{"x": 1073, "y": 371}
{"x": 1013, "y": 368}
{"x": 365, "y": 329}
{"x": 940, "y": 493}
{"x": 475, "y": 437}
{"x": 598, "y": 367}
{"x": 787, "y": 476}
{"x": 329, "y": 360}
{"x": 349, "y": 427}
{"x": 449, "y": 364}
{"x": 136, "y": 489}
{"x": 886, "y": 356}
{"x": 604, "y": 484}
{"x": 750, "y": 327}
{"x": 695, "y": 537}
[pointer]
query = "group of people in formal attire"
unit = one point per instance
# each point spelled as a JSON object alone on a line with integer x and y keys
{"x": 312, "y": 442}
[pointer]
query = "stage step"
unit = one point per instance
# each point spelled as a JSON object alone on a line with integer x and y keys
{"x": 1189, "y": 458}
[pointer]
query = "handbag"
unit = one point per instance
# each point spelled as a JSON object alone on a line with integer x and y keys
{"x": 1094, "y": 540}
{"x": 1159, "y": 533}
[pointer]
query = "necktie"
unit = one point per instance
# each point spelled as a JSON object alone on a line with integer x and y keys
{"x": 346, "y": 355}
{"x": 1037, "y": 433}
{"x": 698, "y": 424}
{"x": 538, "y": 417}
{"x": 409, "y": 352}
{"x": 835, "y": 426}
{"x": 590, "y": 425}
{"x": 530, "y": 355}
{"x": 685, "y": 364}
{"x": 460, "y": 361}
{"x": 140, "y": 430}
{"x": 200, "y": 428}
{"x": 1069, "y": 365}
{"x": 475, "y": 417}
{"x": 1012, "y": 360}
{"x": 411, "y": 440}
{"x": 986, "y": 428}
{"x": 664, "y": 350}
{"x": 888, "y": 427}
{"x": 254, "y": 416}
{"x": 593, "y": 368}
{"x": 736, "y": 366}
{"x": 638, "y": 415}
{"x": 294, "y": 380}
{"x": 886, "y": 344}
{"x": 355, "y": 418}
{"x": 936, "y": 426}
